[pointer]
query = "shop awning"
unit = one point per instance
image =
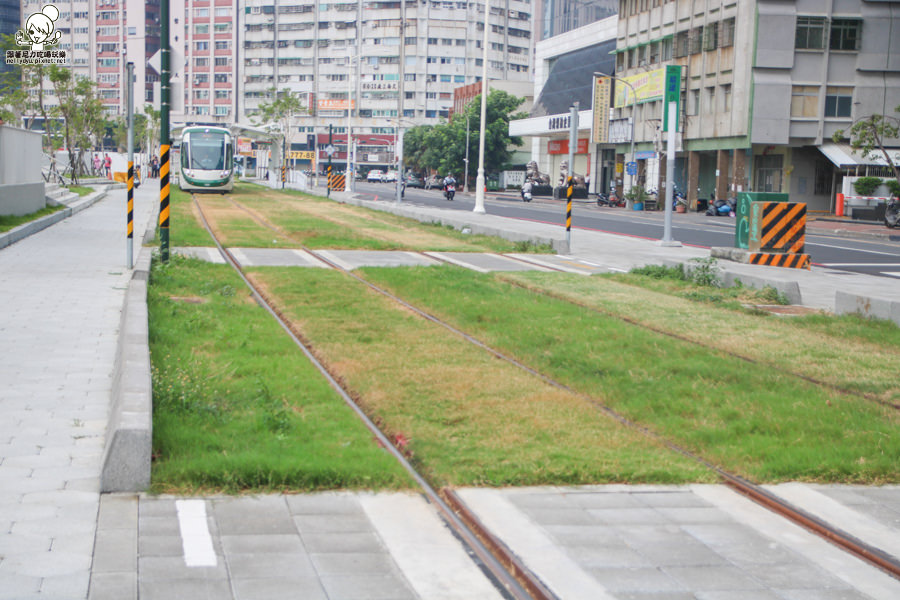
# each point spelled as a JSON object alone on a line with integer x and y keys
{"x": 843, "y": 156}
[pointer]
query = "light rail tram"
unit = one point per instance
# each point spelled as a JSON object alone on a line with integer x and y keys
{"x": 207, "y": 160}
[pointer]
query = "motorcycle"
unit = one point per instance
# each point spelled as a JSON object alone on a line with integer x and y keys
{"x": 609, "y": 200}
{"x": 722, "y": 208}
{"x": 449, "y": 191}
{"x": 892, "y": 213}
{"x": 526, "y": 196}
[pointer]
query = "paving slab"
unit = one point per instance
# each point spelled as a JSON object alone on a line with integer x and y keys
{"x": 739, "y": 550}
{"x": 485, "y": 262}
{"x": 354, "y": 259}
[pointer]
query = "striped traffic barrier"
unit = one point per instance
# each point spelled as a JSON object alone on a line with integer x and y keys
{"x": 336, "y": 182}
{"x": 129, "y": 225}
{"x": 570, "y": 190}
{"x": 786, "y": 260}
{"x": 783, "y": 227}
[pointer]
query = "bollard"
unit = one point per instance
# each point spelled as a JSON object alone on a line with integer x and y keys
{"x": 839, "y": 205}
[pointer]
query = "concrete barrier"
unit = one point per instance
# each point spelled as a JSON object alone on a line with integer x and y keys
{"x": 877, "y": 308}
{"x": 129, "y": 439}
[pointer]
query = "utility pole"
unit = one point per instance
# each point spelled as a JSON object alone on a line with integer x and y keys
{"x": 479, "y": 180}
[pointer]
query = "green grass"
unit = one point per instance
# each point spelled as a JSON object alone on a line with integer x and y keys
{"x": 8, "y": 222}
{"x": 766, "y": 425}
{"x": 236, "y": 405}
{"x": 81, "y": 190}
{"x": 469, "y": 419}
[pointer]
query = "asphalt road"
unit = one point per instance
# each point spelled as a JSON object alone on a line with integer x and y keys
{"x": 870, "y": 256}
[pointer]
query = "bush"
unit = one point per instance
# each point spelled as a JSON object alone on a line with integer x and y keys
{"x": 893, "y": 186}
{"x": 864, "y": 186}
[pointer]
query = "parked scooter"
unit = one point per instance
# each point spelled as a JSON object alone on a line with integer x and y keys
{"x": 892, "y": 213}
{"x": 722, "y": 208}
{"x": 449, "y": 191}
{"x": 610, "y": 199}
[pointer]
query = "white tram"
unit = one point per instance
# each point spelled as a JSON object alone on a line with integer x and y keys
{"x": 207, "y": 160}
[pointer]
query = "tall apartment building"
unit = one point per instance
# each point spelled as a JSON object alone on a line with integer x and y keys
{"x": 765, "y": 84}
{"x": 388, "y": 59}
{"x": 10, "y": 21}
{"x": 100, "y": 37}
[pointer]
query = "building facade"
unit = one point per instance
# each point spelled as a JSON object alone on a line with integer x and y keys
{"x": 556, "y": 17}
{"x": 765, "y": 84}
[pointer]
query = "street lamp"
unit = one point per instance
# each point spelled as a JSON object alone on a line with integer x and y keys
{"x": 479, "y": 180}
{"x": 350, "y": 179}
{"x": 633, "y": 101}
{"x": 466, "y": 159}
{"x": 398, "y": 148}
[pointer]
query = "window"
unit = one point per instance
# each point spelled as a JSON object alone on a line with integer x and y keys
{"x": 694, "y": 102}
{"x": 768, "y": 172}
{"x": 711, "y": 37}
{"x": 696, "y": 40}
{"x": 201, "y": 28}
{"x": 222, "y": 61}
{"x": 822, "y": 186}
{"x": 201, "y": 46}
{"x": 726, "y": 33}
{"x": 838, "y": 101}
{"x": 221, "y": 110}
{"x": 201, "y": 62}
{"x": 445, "y": 78}
{"x": 223, "y": 45}
{"x": 710, "y": 100}
{"x": 804, "y": 101}
{"x": 810, "y": 33}
{"x": 726, "y": 98}
{"x": 201, "y": 12}
{"x": 220, "y": 77}
{"x": 666, "y": 49}
{"x": 223, "y": 11}
{"x": 654, "y": 53}
{"x": 681, "y": 43}
{"x": 845, "y": 34}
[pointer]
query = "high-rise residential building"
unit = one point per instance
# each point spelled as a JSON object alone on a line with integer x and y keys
{"x": 389, "y": 60}
{"x": 555, "y": 17}
{"x": 100, "y": 37}
{"x": 205, "y": 60}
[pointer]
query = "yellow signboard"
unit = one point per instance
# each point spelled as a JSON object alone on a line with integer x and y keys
{"x": 335, "y": 104}
{"x": 302, "y": 154}
{"x": 647, "y": 86}
{"x": 600, "y": 109}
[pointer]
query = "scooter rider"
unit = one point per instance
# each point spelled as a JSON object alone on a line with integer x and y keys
{"x": 448, "y": 181}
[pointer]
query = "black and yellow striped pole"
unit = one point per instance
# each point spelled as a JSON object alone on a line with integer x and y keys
{"x": 129, "y": 224}
{"x": 570, "y": 190}
{"x": 164, "y": 107}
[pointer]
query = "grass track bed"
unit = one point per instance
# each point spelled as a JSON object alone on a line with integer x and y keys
{"x": 237, "y": 405}
{"x": 765, "y": 425}
{"x": 466, "y": 417}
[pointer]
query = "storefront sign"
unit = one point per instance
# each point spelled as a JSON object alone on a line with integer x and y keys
{"x": 380, "y": 86}
{"x": 562, "y": 146}
{"x": 561, "y": 122}
{"x": 335, "y": 104}
{"x": 245, "y": 146}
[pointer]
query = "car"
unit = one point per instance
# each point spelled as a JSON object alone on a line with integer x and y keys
{"x": 389, "y": 177}
{"x": 414, "y": 181}
{"x": 375, "y": 176}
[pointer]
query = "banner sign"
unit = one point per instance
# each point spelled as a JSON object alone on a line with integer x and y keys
{"x": 302, "y": 154}
{"x": 600, "y": 110}
{"x": 335, "y": 104}
{"x": 647, "y": 86}
{"x": 245, "y": 146}
{"x": 673, "y": 94}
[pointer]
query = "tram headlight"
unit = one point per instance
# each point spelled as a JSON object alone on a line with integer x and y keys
{"x": 224, "y": 174}
{"x": 188, "y": 173}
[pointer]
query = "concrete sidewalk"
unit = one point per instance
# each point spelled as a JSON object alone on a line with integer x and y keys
{"x": 61, "y": 293}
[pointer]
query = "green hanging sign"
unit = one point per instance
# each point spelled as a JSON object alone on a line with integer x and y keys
{"x": 672, "y": 94}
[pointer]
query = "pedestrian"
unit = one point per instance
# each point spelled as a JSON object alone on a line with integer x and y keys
{"x": 107, "y": 164}
{"x": 97, "y": 164}
{"x": 154, "y": 167}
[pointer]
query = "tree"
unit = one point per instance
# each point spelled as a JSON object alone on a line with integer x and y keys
{"x": 80, "y": 112}
{"x": 16, "y": 103}
{"x": 281, "y": 110}
{"x": 443, "y": 147}
{"x": 868, "y": 135}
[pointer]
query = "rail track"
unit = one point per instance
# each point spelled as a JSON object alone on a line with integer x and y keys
{"x": 499, "y": 563}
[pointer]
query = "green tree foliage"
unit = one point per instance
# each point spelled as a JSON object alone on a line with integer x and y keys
{"x": 281, "y": 110}
{"x": 442, "y": 148}
{"x": 80, "y": 113}
{"x": 15, "y": 102}
{"x": 868, "y": 135}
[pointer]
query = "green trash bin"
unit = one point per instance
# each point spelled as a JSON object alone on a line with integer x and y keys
{"x": 744, "y": 213}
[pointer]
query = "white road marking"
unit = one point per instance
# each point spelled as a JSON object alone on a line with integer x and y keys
{"x": 196, "y": 541}
{"x": 239, "y": 255}
{"x": 861, "y": 264}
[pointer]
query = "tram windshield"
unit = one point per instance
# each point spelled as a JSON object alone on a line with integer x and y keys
{"x": 206, "y": 150}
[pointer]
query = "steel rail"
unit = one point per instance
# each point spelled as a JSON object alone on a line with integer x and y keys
{"x": 512, "y": 577}
{"x": 755, "y": 492}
